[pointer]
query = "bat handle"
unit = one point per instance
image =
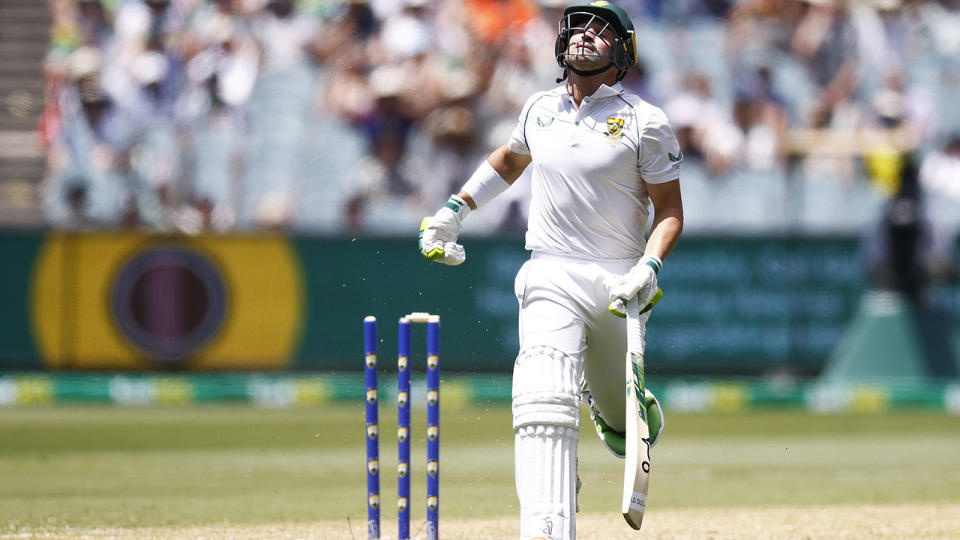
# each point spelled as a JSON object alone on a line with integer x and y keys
{"x": 619, "y": 305}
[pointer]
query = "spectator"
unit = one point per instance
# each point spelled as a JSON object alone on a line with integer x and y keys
{"x": 703, "y": 126}
{"x": 452, "y": 150}
{"x": 491, "y": 21}
{"x": 637, "y": 81}
{"x": 940, "y": 179}
{"x": 940, "y": 171}
{"x": 385, "y": 196}
{"x": 94, "y": 24}
{"x": 827, "y": 42}
{"x": 220, "y": 77}
{"x": 219, "y": 113}
{"x": 762, "y": 118}
{"x": 908, "y": 251}
{"x": 282, "y": 102}
{"x": 87, "y": 179}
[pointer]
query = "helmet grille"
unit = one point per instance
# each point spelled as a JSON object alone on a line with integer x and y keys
{"x": 623, "y": 47}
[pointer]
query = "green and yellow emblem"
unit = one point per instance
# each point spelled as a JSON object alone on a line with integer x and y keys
{"x": 614, "y": 127}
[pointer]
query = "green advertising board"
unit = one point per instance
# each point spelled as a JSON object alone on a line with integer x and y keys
{"x": 18, "y": 251}
{"x": 348, "y": 279}
{"x": 755, "y": 304}
{"x": 131, "y": 301}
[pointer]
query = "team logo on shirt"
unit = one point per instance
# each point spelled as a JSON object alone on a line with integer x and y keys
{"x": 544, "y": 123}
{"x": 614, "y": 127}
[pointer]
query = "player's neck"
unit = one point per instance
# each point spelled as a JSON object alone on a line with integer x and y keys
{"x": 579, "y": 86}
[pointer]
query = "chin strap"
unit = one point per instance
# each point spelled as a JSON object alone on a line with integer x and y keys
{"x": 584, "y": 73}
{"x": 590, "y": 72}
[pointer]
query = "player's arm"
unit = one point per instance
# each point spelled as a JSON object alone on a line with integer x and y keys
{"x": 438, "y": 234}
{"x": 667, "y": 218}
{"x": 641, "y": 280}
{"x": 507, "y": 164}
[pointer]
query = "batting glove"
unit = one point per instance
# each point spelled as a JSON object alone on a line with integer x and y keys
{"x": 438, "y": 234}
{"x": 640, "y": 281}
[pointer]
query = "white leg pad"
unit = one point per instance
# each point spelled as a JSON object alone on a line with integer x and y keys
{"x": 546, "y": 473}
{"x": 546, "y": 418}
{"x": 546, "y": 388}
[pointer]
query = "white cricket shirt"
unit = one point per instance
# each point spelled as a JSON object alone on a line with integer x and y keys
{"x": 588, "y": 197}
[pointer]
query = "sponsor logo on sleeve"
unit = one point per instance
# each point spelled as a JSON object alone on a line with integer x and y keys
{"x": 544, "y": 122}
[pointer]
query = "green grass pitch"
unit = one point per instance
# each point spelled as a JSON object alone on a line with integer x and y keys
{"x": 104, "y": 466}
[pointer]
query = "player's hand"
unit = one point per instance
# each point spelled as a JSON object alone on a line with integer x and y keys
{"x": 438, "y": 235}
{"x": 619, "y": 306}
{"x": 640, "y": 281}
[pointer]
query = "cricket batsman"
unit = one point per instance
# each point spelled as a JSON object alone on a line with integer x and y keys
{"x": 600, "y": 157}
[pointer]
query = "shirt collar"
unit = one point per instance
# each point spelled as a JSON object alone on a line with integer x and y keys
{"x": 608, "y": 91}
{"x": 603, "y": 92}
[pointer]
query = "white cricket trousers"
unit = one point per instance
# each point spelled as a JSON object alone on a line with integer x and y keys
{"x": 564, "y": 305}
{"x": 565, "y": 330}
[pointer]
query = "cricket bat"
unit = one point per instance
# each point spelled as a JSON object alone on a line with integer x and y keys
{"x": 636, "y": 469}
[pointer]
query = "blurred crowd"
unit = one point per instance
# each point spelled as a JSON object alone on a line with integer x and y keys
{"x": 339, "y": 116}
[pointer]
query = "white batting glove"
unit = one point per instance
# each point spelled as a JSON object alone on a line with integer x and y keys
{"x": 640, "y": 281}
{"x": 438, "y": 234}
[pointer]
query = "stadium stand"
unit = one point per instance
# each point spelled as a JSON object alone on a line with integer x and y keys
{"x": 24, "y": 34}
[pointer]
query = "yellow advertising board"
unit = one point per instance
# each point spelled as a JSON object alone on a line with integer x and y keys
{"x": 138, "y": 301}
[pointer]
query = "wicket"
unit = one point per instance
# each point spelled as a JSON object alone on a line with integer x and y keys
{"x": 403, "y": 424}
